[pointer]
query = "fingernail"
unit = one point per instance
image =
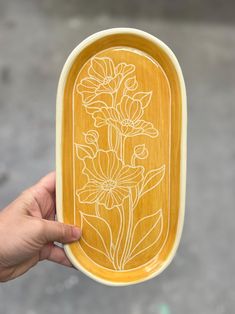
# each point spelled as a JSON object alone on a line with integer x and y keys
{"x": 76, "y": 232}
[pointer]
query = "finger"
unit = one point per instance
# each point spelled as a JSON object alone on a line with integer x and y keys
{"x": 55, "y": 254}
{"x": 48, "y": 182}
{"x": 38, "y": 200}
{"x": 43, "y": 195}
{"x": 56, "y": 231}
{"x": 51, "y": 215}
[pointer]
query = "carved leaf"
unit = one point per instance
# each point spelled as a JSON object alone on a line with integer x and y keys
{"x": 84, "y": 151}
{"x": 141, "y": 242}
{"x": 96, "y": 233}
{"x": 152, "y": 179}
{"x": 144, "y": 97}
{"x": 94, "y": 106}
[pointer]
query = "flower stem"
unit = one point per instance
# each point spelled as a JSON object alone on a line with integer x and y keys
{"x": 97, "y": 209}
{"x": 110, "y": 140}
{"x": 123, "y": 148}
{"x": 129, "y": 232}
{"x": 133, "y": 160}
{"x": 122, "y": 141}
{"x": 120, "y": 147}
{"x": 117, "y": 142}
{"x": 114, "y": 99}
{"x": 120, "y": 236}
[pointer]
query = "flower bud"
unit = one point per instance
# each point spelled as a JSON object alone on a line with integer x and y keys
{"x": 131, "y": 83}
{"x": 91, "y": 137}
{"x": 140, "y": 151}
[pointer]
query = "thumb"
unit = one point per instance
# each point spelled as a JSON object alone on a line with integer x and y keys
{"x": 57, "y": 231}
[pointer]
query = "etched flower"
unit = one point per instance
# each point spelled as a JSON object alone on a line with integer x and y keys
{"x": 126, "y": 117}
{"x": 104, "y": 77}
{"x": 109, "y": 179}
{"x": 131, "y": 83}
{"x": 140, "y": 151}
{"x": 91, "y": 136}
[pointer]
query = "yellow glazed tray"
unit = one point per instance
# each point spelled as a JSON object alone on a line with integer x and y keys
{"x": 121, "y": 155}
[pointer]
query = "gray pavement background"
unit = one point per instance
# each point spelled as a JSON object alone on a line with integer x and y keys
{"x": 35, "y": 39}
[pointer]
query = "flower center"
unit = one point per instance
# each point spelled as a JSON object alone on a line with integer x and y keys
{"x": 107, "y": 79}
{"x": 127, "y": 122}
{"x": 109, "y": 184}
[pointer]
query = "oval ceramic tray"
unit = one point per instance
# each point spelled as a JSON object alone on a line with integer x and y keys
{"x": 121, "y": 155}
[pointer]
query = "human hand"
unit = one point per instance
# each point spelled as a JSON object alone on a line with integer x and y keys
{"x": 28, "y": 230}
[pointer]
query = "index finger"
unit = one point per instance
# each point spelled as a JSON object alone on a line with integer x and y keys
{"x": 48, "y": 182}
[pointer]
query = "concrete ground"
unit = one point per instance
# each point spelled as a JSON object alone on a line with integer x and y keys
{"x": 35, "y": 39}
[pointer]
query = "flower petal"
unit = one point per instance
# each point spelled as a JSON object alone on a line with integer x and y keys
{"x": 102, "y": 117}
{"x": 125, "y": 68}
{"x": 114, "y": 165}
{"x": 102, "y": 197}
{"x": 115, "y": 82}
{"x": 130, "y": 176}
{"x": 101, "y": 161}
{"x": 136, "y": 111}
{"x": 107, "y": 163}
{"x": 94, "y": 106}
{"x": 120, "y": 194}
{"x": 104, "y": 88}
{"x": 117, "y": 197}
{"x": 92, "y": 171}
{"x": 88, "y": 83}
{"x": 97, "y": 70}
{"x": 110, "y": 201}
{"x": 147, "y": 128}
{"x": 128, "y": 130}
{"x": 110, "y": 68}
{"x": 123, "y": 106}
{"x": 130, "y": 108}
{"x": 101, "y": 68}
{"x": 86, "y": 93}
{"x": 89, "y": 193}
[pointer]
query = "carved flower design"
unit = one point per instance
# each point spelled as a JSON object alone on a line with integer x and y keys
{"x": 104, "y": 77}
{"x": 109, "y": 179}
{"x": 126, "y": 117}
{"x": 112, "y": 175}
